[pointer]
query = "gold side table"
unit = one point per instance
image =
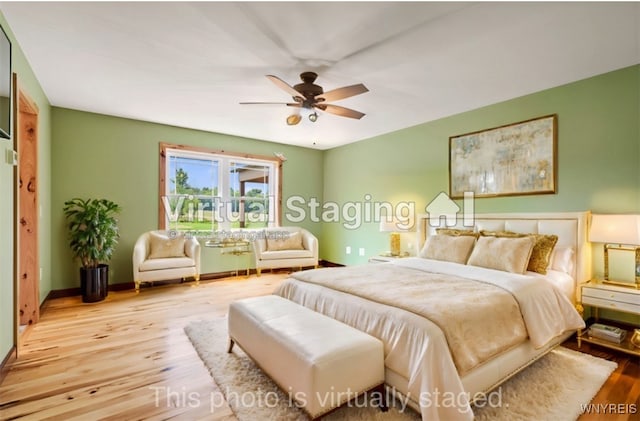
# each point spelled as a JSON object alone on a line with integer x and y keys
{"x": 232, "y": 247}
{"x": 623, "y": 299}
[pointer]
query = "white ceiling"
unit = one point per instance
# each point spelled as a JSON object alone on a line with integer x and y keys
{"x": 190, "y": 64}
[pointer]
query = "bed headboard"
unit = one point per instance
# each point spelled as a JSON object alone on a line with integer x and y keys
{"x": 570, "y": 227}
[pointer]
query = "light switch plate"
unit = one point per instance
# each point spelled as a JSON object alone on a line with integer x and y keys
{"x": 11, "y": 157}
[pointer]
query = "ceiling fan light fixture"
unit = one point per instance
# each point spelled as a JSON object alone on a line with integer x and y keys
{"x": 308, "y": 97}
{"x": 293, "y": 119}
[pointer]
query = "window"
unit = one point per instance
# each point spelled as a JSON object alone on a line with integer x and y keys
{"x": 203, "y": 191}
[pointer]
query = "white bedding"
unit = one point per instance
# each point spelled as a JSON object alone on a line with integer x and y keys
{"x": 546, "y": 310}
{"x": 416, "y": 348}
{"x": 561, "y": 280}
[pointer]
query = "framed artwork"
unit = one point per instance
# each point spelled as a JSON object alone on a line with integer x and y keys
{"x": 516, "y": 159}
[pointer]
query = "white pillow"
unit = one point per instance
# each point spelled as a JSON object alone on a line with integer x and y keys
{"x": 290, "y": 241}
{"x": 162, "y": 246}
{"x": 562, "y": 259}
{"x": 448, "y": 248}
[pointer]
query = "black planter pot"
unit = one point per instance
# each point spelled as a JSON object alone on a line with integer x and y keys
{"x": 94, "y": 283}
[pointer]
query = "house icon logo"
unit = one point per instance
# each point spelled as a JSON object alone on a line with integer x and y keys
{"x": 443, "y": 207}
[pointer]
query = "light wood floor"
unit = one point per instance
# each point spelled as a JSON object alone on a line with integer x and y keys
{"x": 111, "y": 360}
{"x": 116, "y": 360}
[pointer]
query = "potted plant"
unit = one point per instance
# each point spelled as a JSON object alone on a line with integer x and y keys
{"x": 93, "y": 235}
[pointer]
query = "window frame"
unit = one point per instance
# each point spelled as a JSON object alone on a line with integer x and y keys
{"x": 224, "y": 155}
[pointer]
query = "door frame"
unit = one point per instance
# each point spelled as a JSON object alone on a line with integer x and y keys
{"x": 24, "y": 104}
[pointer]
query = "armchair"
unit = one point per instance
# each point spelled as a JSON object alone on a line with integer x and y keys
{"x": 158, "y": 256}
{"x": 285, "y": 247}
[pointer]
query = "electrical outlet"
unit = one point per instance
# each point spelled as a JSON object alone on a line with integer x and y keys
{"x": 361, "y": 251}
{"x": 348, "y": 250}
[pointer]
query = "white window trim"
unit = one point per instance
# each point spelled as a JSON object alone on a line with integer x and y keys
{"x": 225, "y": 159}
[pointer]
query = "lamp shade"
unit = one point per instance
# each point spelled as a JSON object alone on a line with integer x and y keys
{"x": 397, "y": 224}
{"x": 389, "y": 226}
{"x": 620, "y": 229}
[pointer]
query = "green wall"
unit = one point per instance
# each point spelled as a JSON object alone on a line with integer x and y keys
{"x": 102, "y": 156}
{"x": 598, "y": 162}
{"x": 598, "y": 167}
{"x": 31, "y": 86}
{"x": 598, "y": 159}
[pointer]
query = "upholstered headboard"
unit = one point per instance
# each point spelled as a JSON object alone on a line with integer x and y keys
{"x": 570, "y": 227}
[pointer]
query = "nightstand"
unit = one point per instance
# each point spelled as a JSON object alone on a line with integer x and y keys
{"x": 384, "y": 259}
{"x": 625, "y": 300}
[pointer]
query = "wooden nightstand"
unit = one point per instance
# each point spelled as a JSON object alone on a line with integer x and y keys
{"x": 626, "y": 300}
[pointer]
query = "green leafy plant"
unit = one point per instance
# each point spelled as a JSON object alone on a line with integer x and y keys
{"x": 93, "y": 229}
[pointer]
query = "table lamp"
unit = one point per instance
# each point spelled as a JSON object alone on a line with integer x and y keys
{"x": 392, "y": 227}
{"x": 617, "y": 232}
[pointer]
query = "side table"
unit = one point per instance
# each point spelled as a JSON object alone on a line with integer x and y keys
{"x": 622, "y": 299}
{"x": 235, "y": 248}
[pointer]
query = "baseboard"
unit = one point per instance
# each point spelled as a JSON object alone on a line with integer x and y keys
{"x": 328, "y": 264}
{"x": 227, "y": 274}
{"x": 6, "y": 361}
{"x": 61, "y": 293}
{"x": 72, "y": 292}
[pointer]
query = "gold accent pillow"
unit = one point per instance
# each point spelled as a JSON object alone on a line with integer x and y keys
{"x": 541, "y": 253}
{"x": 162, "y": 246}
{"x": 292, "y": 241}
{"x": 506, "y": 234}
{"x": 448, "y": 248}
{"x": 457, "y": 232}
{"x": 508, "y": 254}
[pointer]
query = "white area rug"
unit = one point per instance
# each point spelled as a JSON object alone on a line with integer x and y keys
{"x": 553, "y": 388}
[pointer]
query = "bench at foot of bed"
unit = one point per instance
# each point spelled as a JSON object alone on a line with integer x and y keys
{"x": 319, "y": 361}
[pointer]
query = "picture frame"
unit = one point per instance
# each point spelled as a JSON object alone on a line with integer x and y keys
{"x": 511, "y": 160}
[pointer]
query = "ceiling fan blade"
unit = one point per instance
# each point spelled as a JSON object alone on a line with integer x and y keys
{"x": 341, "y": 111}
{"x": 289, "y": 104}
{"x": 285, "y": 86}
{"x": 344, "y": 92}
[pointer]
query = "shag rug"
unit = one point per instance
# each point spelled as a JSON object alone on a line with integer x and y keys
{"x": 553, "y": 388}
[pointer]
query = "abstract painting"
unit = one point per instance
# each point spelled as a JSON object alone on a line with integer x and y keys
{"x": 516, "y": 159}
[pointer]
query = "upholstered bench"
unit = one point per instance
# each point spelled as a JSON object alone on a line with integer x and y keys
{"x": 319, "y": 361}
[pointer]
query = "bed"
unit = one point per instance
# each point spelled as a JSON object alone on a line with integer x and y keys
{"x": 453, "y": 332}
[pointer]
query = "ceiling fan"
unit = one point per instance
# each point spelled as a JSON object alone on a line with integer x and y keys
{"x": 311, "y": 97}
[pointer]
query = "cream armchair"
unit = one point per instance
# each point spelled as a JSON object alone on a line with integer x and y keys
{"x": 157, "y": 256}
{"x": 285, "y": 247}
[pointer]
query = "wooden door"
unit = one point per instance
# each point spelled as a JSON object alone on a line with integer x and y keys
{"x": 26, "y": 132}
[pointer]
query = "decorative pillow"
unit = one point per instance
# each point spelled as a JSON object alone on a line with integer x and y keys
{"x": 505, "y": 234}
{"x": 541, "y": 253}
{"x": 448, "y": 248}
{"x": 502, "y": 253}
{"x": 562, "y": 259}
{"x": 162, "y": 246}
{"x": 456, "y": 232}
{"x": 292, "y": 241}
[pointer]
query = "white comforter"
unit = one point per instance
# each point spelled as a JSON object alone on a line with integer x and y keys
{"x": 417, "y": 349}
{"x": 546, "y": 311}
